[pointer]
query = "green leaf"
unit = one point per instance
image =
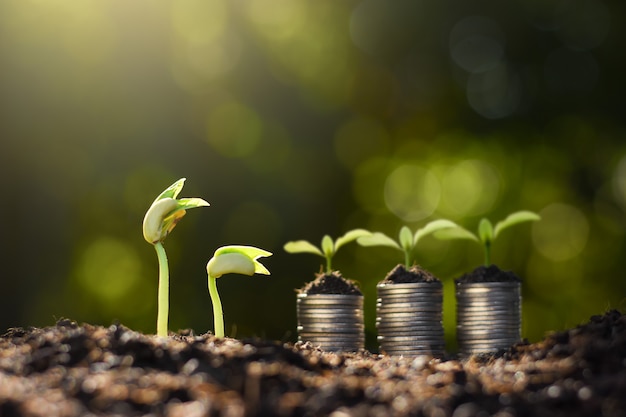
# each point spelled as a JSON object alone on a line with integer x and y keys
{"x": 485, "y": 230}
{"x": 378, "y": 239}
{"x": 328, "y": 247}
{"x": 515, "y": 218}
{"x": 406, "y": 239}
{"x": 349, "y": 237}
{"x": 455, "y": 233}
{"x": 189, "y": 203}
{"x": 432, "y": 227}
{"x": 302, "y": 246}
{"x": 173, "y": 190}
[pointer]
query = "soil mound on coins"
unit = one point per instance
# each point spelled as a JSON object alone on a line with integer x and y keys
{"x": 400, "y": 275}
{"x": 488, "y": 274}
{"x": 332, "y": 283}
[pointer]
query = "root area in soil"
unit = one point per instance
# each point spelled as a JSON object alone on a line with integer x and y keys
{"x": 84, "y": 370}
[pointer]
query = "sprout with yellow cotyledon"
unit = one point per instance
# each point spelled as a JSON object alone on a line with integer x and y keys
{"x": 236, "y": 260}
{"x": 160, "y": 219}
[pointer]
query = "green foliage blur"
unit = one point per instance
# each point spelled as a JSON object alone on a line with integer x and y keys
{"x": 299, "y": 118}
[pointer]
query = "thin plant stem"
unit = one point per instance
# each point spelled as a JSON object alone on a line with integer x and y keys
{"x": 328, "y": 263}
{"x": 487, "y": 253}
{"x": 407, "y": 257}
{"x": 218, "y": 314}
{"x": 164, "y": 288}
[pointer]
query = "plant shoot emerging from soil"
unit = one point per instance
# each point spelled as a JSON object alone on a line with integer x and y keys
{"x": 162, "y": 216}
{"x": 486, "y": 232}
{"x": 235, "y": 260}
{"x": 328, "y": 248}
{"x": 406, "y": 239}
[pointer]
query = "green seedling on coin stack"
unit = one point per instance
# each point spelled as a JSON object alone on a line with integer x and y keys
{"x": 486, "y": 232}
{"x": 328, "y": 248}
{"x": 406, "y": 239}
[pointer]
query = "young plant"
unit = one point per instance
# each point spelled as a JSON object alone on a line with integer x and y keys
{"x": 328, "y": 249}
{"x": 486, "y": 232}
{"x": 162, "y": 216}
{"x": 227, "y": 260}
{"x": 406, "y": 239}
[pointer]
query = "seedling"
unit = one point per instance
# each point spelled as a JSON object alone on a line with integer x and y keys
{"x": 328, "y": 249}
{"x": 406, "y": 239}
{"x": 486, "y": 232}
{"x": 162, "y": 216}
{"x": 227, "y": 260}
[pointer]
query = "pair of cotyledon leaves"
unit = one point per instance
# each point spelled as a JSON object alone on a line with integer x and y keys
{"x": 166, "y": 211}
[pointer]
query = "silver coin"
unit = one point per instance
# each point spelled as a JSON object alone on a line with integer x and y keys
{"x": 499, "y": 339}
{"x": 331, "y": 297}
{"x": 486, "y": 336}
{"x": 409, "y": 303}
{"x": 409, "y": 324}
{"x": 328, "y": 329}
{"x": 391, "y": 310}
{"x": 408, "y": 286}
{"x": 421, "y": 296}
{"x": 477, "y": 287}
{"x": 462, "y": 315}
{"x": 485, "y": 302}
{"x": 390, "y": 331}
{"x": 327, "y": 313}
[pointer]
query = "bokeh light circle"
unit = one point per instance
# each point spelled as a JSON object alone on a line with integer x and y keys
{"x": 234, "y": 129}
{"x": 562, "y": 232}
{"x": 109, "y": 269}
{"x": 469, "y": 188}
{"x": 412, "y": 192}
{"x": 476, "y": 44}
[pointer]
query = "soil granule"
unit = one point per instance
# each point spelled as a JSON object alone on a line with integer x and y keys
{"x": 71, "y": 370}
{"x": 415, "y": 274}
{"x": 488, "y": 274}
{"x": 332, "y": 283}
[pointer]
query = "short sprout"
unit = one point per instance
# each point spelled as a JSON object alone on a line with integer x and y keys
{"x": 328, "y": 248}
{"x": 486, "y": 232}
{"x": 231, "y": 260}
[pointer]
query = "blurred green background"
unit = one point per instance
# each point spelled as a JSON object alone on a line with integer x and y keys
{"x": 299, "y": 118}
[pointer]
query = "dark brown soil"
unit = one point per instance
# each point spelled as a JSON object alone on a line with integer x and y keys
{"x": 71, "y": 370}
{"x": 488, "y": 274}
{"x": 400, "y": 275}
{"x": 332, "y": 283}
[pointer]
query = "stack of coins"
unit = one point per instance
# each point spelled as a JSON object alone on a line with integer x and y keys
{"x": 488, "y": 316}
{"x": 409, "y": 319}
{"x": 334, "y": 322}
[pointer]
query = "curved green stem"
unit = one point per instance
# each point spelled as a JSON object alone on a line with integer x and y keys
{"x": 164, "y": 288}
{"x": 218, "y": 314}
{"x": 407, "y": 259}
{"x": 328, "y": 265}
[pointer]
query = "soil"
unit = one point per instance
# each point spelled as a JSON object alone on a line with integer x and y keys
{"x": 400, "y": 275}
{"x": 85, "y": 370}
{"x": 332, "y": 283}
{"x": 488, "y": 274}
